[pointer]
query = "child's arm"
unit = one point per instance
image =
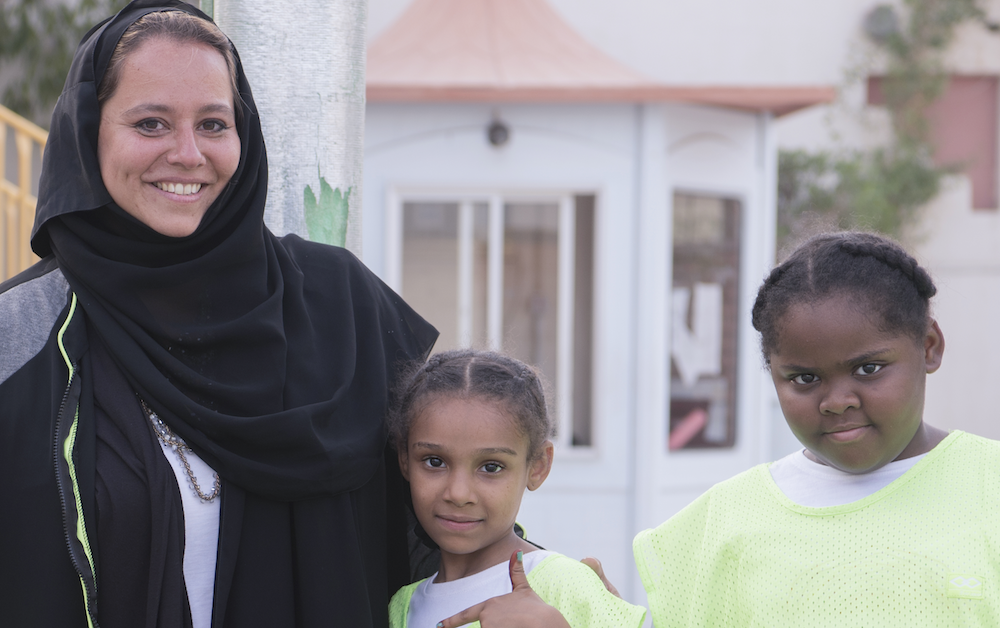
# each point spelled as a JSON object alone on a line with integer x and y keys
{"x": 521, "y": 608}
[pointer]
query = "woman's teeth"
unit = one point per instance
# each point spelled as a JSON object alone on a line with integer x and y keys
{"x": 183, "y": 189}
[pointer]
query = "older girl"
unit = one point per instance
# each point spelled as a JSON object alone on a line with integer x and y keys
{"x": 882, "y": 519}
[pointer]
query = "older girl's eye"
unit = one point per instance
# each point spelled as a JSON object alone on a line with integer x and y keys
{"x": 434, "y": 462}
{"x": 805, "y": 378}
{"x": 493, "y": 467}
{"x": 868, "y": 369}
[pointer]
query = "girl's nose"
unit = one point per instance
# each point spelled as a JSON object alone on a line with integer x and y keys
{"x": 459, "y": 490}
{"x": 186, "y": 152}
{"x": 839, "y": 399}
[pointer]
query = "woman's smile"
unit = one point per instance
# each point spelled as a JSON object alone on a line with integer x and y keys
{"x": 179, "y": 189}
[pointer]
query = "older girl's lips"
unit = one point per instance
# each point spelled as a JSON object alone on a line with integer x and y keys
{"x": 847, "y": 435}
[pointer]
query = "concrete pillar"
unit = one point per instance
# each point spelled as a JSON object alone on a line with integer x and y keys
{"x": 305, "y": 60}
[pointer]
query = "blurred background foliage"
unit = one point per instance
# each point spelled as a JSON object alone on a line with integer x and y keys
{"x": 881, "y": 188}
{"x": 37, "y": 42}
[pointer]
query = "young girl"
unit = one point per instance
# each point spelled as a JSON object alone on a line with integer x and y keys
{"x": 882, "y": 520}
{"x": 471, "y": 429}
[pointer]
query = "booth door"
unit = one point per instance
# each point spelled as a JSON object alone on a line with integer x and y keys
{"x": 706, "y": 408}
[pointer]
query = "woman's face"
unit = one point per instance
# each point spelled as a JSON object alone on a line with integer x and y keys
{"x": 167, "y": 144}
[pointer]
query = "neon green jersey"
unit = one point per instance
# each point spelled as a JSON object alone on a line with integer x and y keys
{"x": 562, "y": 582}
{"x": 923, "y": 551}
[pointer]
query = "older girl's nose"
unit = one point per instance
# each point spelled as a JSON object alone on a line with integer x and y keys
{"x": 838, "y": 399}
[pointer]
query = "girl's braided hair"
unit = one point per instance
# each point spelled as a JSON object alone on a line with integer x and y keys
{"x": 884, "y": 279}
{"x": 472, "y": 374}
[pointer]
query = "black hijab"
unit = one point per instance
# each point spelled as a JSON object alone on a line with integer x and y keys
{"x": 271, "y": 357}
{"x": 220, "y": 331}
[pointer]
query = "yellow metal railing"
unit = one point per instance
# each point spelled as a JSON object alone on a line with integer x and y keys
{"x": 17, "y": 203}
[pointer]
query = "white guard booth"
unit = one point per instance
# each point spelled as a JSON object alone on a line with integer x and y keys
{"x": 524, "y": 191}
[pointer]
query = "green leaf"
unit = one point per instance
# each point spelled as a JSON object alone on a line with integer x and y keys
{"x": 326, "y": 219}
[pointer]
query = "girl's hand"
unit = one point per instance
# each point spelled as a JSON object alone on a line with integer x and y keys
{"x": 521, "y": 608}
{"x": 598, "y": 568}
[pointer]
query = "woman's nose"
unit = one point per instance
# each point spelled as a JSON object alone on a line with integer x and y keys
{"x": 186, "y": 151}
{"x": 838, "y": 399}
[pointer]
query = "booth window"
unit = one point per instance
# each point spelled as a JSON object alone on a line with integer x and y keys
{"x": 704, "y": 322}
{"x": 512, "y": 273}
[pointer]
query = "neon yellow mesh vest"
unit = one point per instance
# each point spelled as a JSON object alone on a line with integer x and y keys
{"x": 923, "y": 551}
{"x": 562, "y": 582}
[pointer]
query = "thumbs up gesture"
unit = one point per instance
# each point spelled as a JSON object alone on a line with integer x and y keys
{"x": 521, "y": 608}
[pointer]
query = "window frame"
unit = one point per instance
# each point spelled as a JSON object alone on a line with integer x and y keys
{"x": 495, "y": 199}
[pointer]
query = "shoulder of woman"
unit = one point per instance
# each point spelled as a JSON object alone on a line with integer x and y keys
{"x": 30, "y": 306}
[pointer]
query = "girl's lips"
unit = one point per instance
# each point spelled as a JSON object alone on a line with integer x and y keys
{"x": 846, "y": 436}
{"x": 458, "y": 525}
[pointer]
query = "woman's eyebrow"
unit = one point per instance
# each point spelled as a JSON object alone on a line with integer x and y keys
{"x": 158, "y": 108}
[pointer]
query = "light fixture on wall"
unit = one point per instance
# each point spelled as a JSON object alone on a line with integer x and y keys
{"x": 881, "y": 23}
{"x": 498, "y": 132}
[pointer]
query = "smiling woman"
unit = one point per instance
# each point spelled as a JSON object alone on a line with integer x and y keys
{"x": 191, "y": 406}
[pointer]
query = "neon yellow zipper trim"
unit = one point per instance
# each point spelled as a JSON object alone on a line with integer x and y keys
{"x": 68, "y": 447}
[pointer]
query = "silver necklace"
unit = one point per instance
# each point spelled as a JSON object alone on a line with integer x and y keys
{"x": 167, "y": 436}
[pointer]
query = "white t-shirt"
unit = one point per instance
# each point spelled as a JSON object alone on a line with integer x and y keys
{"x": 432, "y": 602}
{"x": 817, "y": 485}
{"x": 201, "y": 533}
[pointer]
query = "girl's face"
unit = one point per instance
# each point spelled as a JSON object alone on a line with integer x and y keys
{"x": 467, "y": 464}
{"x": 852, "y": 394}
{"x": 167, "y": 143}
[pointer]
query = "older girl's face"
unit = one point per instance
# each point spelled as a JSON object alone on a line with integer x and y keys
{"x": 852, "y": 393}
{"x": 167, "y": 144}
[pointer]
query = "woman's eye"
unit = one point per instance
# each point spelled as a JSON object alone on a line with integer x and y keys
{"x": 434, "y": 462}
{"x": 149, "y": 125}
{"x": 805, "y": 378}
{"x": 868, "y": 369}
{"x": 214, "y": 126}
{"x": 493, "y": 467}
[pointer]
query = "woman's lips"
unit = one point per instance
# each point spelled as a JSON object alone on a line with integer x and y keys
{"x": 847, "y": 435}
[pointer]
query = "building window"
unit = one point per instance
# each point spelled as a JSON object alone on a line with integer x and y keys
{"x": 513, "y": 273}
{"x": 963, "y": 129}
{"x": 704, "y": 322}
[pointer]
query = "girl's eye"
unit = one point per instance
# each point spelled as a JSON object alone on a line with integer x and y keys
{"x": 493, "y": 467}
{"x": 868, "y": 369}
{"x": 805, "y": 378}
{"x": 434, "y": 462}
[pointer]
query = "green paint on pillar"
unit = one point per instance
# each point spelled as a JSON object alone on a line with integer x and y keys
{"x": 326, "y": 219}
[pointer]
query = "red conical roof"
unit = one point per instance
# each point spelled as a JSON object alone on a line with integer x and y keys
{"x": 521, "y": 50}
